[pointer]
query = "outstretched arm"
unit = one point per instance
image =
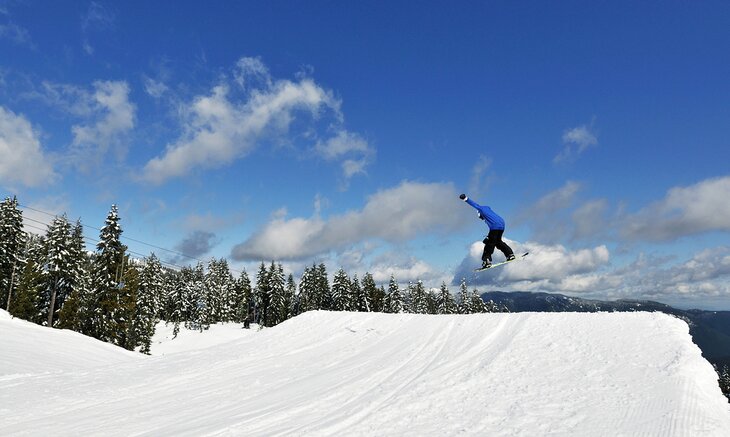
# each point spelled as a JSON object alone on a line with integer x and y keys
{"x": 470, "y": 202}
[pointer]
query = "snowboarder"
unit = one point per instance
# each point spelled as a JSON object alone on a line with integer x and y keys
{"x": 494, "y": 237}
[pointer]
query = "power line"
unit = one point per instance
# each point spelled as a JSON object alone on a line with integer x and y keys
{"x": 94, "y": 240}
{"x": 123, "y": 236}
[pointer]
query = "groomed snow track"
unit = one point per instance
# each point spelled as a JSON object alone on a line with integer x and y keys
{"x": 329, "y": 373}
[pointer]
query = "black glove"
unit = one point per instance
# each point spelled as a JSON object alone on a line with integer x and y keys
{"x": 462, "y": 196}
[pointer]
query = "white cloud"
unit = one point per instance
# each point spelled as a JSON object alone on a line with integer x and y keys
{"x": 702, "y": 207}
{"x": 113, "y": 116}
{"x": 395, "y": 215}
{"x": 251, "y": 72}
{"x": 23, "y": 159}
{"x": 546, "y": 268}
{"x": 350, "y": 144}
{"x": 224, "y": 126}
{"x": 576, "y": 141}
{"x": 477, "y": 175}
{"x": 154, "y": 88}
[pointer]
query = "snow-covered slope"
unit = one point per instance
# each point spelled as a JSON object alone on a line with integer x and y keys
{"x": 28, "y": 350}
{"x": 328, "y": 373}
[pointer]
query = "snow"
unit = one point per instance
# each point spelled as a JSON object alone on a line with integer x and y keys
{"x": 330, "y": 373}
{"x": 164, "y": 342}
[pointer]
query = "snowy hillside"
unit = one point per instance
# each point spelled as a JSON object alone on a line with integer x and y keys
{"x": 325, "y": 373}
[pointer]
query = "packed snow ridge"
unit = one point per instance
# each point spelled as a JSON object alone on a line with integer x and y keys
{"x": 337, "y": 373}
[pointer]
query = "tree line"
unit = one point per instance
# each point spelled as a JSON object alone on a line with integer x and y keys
{"x": 52, "y": 280}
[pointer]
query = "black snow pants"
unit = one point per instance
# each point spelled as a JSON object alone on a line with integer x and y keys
{"x": 494, "y": 239}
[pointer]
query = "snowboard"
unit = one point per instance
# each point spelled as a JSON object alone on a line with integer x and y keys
{"x": 518, "y": 258}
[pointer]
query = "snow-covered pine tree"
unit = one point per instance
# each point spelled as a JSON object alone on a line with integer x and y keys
{"x": 174, "y": 300}
{"x": 107, "y": 272}
{"x": 419, "y": 299}
{"x": 57, "y": 269}
{"x": 476, "y": 303}
{"x": 196, "y": 306}
{"x": 277, "y": 310}
{"x": 25, "y": 304}
{"x": 290, "y": 297}
{"x": 464, "y": 301}
{"x": 306, "y": 299}
{"x": 76, "y": 310}
{"x": 431, "y": 298}
{"x": 724, "y": 380}
{"x": 221, "y": 290}
{"x": 262, "y": 294}
{"x": 127, "y": 305}
{"x": 341, "y": 291}
{"x": 324, "y": 293}
{"x": 245, "y": 303}
{"x": 146, "y": 314}
{"x": 395, "y": 298}
{"x": 445, "y": 302}
{"x": 361, "y": 300}
{"x": 370, "y": 290}
{"x": 12, "y": 242}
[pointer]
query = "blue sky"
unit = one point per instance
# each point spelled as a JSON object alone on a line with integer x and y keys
{"x": 343, "y": 132}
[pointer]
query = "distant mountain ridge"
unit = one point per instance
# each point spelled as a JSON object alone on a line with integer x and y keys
{"x": 710, "y": 330}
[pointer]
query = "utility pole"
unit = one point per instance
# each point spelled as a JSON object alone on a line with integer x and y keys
{"x": 10, "y": 290}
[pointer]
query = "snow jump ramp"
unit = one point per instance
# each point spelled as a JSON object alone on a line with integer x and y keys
{"x": 338, "y": 373}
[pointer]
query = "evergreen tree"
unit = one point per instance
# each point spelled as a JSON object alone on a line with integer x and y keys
{"x": 394, "y": 299}
{"x": 277, "y": 309}
{"x": 445, "y": 302}
{"x": 12, "y": 242}
{"x": 724, "y": 381}
{"x": 324, "y": 293}
{"x": 361, "y": 299}
{"x": 174, "y": 296}
{"x": 108, "y": 270}
{"x": 464, "y": 304}
{"x": 290, "y": 297}
{"x": 221, "y": 291}
{"x": 25, "y": 304}
{"x": 341, "y": 291}
{"x": 418, "y": 299}
{"x": 129, "y": 289}
{"x": 75, "y": 312}
{"x": 476, "y": 303}
{"x": 306, "y": 299}
{"x": 57, "y": 268}
{"x": 245, "y": 304}
{"x": 146, "y": 314}
{"x": 370, "y": 290}
{"x": 196, "y": 309}
{"x": 262, "y": 294}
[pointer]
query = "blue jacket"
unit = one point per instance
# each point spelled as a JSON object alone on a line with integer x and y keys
{"x": 494, "y": 221}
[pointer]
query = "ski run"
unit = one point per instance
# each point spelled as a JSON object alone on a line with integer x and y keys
{"x": 337, "y": 373}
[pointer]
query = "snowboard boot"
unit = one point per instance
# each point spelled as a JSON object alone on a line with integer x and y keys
{"x": 511, "y": 257}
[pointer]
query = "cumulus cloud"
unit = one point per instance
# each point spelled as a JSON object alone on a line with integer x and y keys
{"x": 547, "y": 268}
{"x": 113, "y": 116}
{"x": 702, "y": 207}
{"x": 394, "y": 215}
{"x": 223, "y": 126}
{"x": 576, "y": 141}
{"x": 549, "y": 217}
{"x": 347, "y": 144}
{"x": 23, "y": 159}
{"x": 196, "y": 244}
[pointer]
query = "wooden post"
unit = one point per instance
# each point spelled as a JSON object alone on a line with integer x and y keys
{"x": 10, "y": 290}
{"x": 53, "y": 305}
